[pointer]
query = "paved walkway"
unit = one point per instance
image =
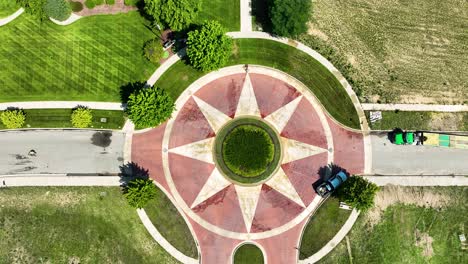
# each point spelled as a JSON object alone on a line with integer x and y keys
{"x": 62, "y": 104}
{"x": 73, "y": 18}
{"x": 165, "y": 66}
{"x": 447, "y": 180}
{"x": 246, "y": 15}
{"x": 118, "y": 7}
{"x": 57, "y": 180}
{"x": 8, "y": 19}
{"x": 334, "y": 241}
{"x": 416, "y": 107}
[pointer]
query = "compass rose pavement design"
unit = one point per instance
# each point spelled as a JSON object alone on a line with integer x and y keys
{"x": 222, "y": 213}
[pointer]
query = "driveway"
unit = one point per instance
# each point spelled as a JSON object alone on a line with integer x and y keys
{"x": 61, "y": 151}
{"x": 390, "y": 159}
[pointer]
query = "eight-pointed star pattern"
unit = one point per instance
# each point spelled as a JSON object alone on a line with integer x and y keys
{"x": 248, "y": 196}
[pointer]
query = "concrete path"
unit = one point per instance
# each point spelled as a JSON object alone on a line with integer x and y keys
{"x": 419, "y": 180}
{"x": 73, "y": 18}
{"x": 165, "y": 66}
{"x": 62, "y": 104}
{"x": 57, "y": 180}
{"x": 334, "y": 241}
{"x": 391, "y": 159}
{"x": 246, "y": 15}
{"x": 61, "y": 151}
{"x": 416, "y": 107}
{"x": 8, "y": 19}
{"x": 162, "y": 241}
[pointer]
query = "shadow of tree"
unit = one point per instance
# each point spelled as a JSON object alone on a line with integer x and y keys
{"x": 129, "y": 88}
{"x": 261, "y": 10}
{"x": 130, "y": 172}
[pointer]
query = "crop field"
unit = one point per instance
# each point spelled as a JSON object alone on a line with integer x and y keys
{"x": 402, "y": 51}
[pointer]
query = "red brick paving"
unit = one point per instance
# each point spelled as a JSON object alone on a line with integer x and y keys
{"x": 273, "y": 210}
{"x": 303, "y": 173}
{"x": 190, "y": 126}
{"x": 223, "y": 210}
{"x": 271, "y": 94}
{"x": 223, "y": 93}
{"x": 305, "y": 126}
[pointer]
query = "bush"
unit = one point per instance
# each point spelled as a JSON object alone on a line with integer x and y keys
{"x": 34, "y": 8}
{"x": 57, "y": 9}
{"x": 139, "y": 192}
{"x": 177, "y": 14}
{"x": 132, "y": 2}
{"x": 92, "y": 3}
{"x": 13, "y": 118}
{"x": 209, "y": 48}
{"x": 149, "y": 107}
{"x": 81, "y": 117}
{"x": 153, "y": 51}
{"x": 76, "y": 6}
{"x": 358, "y": 192}
{"x": 289, "y": 17}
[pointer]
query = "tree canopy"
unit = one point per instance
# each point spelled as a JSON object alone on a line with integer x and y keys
{"x": 177, "y": 14}
{"x": 358, "y": 192}
{"x": 209, "y": 48}
{"x": 81, "y": 117}
{"x": 139, "y": 192}
{"x": 149, "y": 107}
{"x": 57, "y": 9}
{"x": 289, "y": 17}
{"x": 13, "y": 118}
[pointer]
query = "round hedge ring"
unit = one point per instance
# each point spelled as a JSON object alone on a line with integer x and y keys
{"x": 247, "y": 151}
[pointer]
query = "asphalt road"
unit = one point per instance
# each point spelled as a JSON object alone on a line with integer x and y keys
{"x": 390, "y": 159}
{"x": 58, "y": 151}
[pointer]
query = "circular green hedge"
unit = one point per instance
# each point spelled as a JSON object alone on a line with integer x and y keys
{"x": 247, "y": 150}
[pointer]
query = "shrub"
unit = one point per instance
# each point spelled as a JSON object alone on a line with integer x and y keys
{"x": 149, "y": 107}
{"x": 358, "y": 192}
{"x": 289, "y": 17}
{"x": 209, "y": 48}
{"x": 153, "y": 51}
{"x": 81, "y": 117}
{"x": 76, "y": 6}
{"x": 139, "y": 192}
{"x": 132, "y": 2}
{"x": 92, "y": 3}
{"x": 177, "y": 14}
{"x": 13, "y": 118}
{"x": 34, "y": 8}
{"x": 57, "y": 9}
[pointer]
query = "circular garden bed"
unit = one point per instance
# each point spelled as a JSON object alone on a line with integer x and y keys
{"x": 247, "y": 150}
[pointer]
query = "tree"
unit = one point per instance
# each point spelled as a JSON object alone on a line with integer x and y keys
{"x": 209, "y": 47}
{"x": 13, "y": 118}
{"x": 139, "y": 192}
{"x": 149, "y": 107}
{"x": 289, "y": 17}
{"x": 177, "y": 14}
{"x": 358, "y": 192}
{"x": 57, "y": 9}
{"x": 81, "y": 117}
{"x": 153, "y": 51}
{"x": 34, "y": 7}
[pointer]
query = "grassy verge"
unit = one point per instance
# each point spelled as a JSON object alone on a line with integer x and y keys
{"x": 60, "y": 118}
{"x": 421, "y": 121}
{"x": 171, "y": 225}
{"x": 8, "y": 7}
{"x": 322, "y": 227}
{"x": 400, "y": 54}
{"x": 248, "y": 254}
{"x": 227, "y": 12}
{"x": 86, "y": 61}
{"x": 73, "y": 225}
{"x": 282, "y": 57}
{"x": 424, "y": 229}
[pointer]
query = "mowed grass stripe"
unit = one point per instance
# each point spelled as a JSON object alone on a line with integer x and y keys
{"x": 88, "y": 60}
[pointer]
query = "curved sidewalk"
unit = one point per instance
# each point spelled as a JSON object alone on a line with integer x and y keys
{"x": 416, "y": 107}
{"x": 8, "y": 19}
{"x": 72, "y": 19}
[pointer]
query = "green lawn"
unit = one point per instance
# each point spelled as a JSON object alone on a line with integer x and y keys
{"x": 322, "y": 227}
{"x": 285, "y": 58}
{"x": 73, "y": 225}
{"x": 171, "y": 225}
{"x": 227, "y": 12}
{"x": 405, "y": 232}
{"x": 8, "y": 7}
{"x": 89, "y": 60}
{"x": 248, "y": 254}
{"x": 60, "y": 118}
{"x": 421, "y": 121}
